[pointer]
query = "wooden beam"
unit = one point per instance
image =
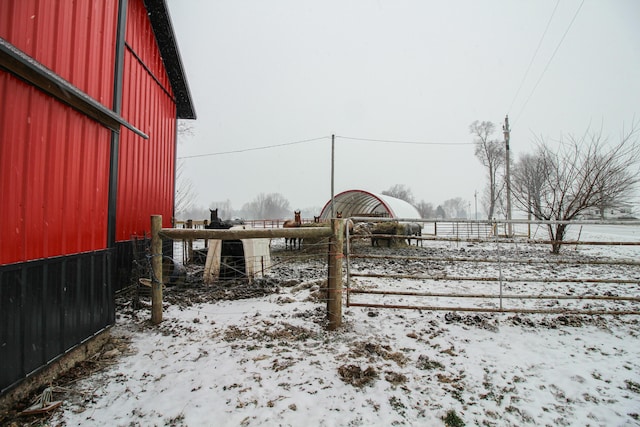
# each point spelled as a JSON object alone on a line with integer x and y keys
{"x": 249, "y": 233}
{"x": 31, "y": 71}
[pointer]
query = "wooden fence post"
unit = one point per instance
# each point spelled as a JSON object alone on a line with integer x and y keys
{"x": 156, "y": 266}
{"x": 189, "y": 243}
{"x": 334, "y": 281}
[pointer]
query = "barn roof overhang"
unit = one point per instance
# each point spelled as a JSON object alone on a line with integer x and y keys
{"x": 364, "y": 203}
{"x": 33, "y": 72}
{"x": 165, "y": 36}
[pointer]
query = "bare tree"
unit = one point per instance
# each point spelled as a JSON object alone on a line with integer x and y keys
{"x": 455, "y": 208}
{"x": 425, "y": 209}
{"x": 185, "y": 192}
{"x": 400, "y": 191}
{"x": 268, "y": 206}
{"x": 528, "y": 180}
{"x": 185, "y": 128}
{"x": 491, "y": 154}
{"x": 583, "y": 173}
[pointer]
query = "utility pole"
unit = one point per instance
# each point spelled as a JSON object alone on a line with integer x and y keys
{"x": 507, "y": 131}
{"x": 475, "y": 196}
{"x": 333, "y": 152}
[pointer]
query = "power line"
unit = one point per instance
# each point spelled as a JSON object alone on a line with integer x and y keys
{"x": 266, "y": 147}
{"x": 534, "y": 56}
{"x": 404, "y": 142}
{"x": 549, "y": 62}
{"x": 254, "y": 148}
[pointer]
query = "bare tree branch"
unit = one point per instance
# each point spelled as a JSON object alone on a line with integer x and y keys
{"x": 491, "y": 154}
{"x": 185, "y": 192}
{"x": 581, "y": 174}
{"x": 400, "y": 191}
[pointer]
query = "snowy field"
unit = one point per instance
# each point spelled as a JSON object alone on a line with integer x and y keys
{"x": 260, "y": 355}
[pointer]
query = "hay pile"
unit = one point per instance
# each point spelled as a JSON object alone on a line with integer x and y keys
{"x": 388, "y": 229}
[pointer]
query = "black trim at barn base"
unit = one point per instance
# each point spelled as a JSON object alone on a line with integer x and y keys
{"x": 133, "y": 261}
{"x": 49, "y": 306}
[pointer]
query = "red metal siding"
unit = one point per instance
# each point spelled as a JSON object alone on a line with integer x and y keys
{"x": 75, "y": 39}
{"x": 146, "y": 168}
{"x": 142, "y": 41}
{"x": 53, "y": 176}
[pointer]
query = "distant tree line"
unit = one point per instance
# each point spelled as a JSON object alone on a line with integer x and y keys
{"x": 455, "y": 208}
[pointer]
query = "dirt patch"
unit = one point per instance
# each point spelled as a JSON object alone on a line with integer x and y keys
{"x": 356, "y": 376}
{"x": 372, "y": 351}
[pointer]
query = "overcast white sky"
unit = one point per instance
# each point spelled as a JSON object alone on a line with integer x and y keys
{"x": 265, "y": 73}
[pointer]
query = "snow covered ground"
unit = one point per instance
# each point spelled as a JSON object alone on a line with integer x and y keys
{"x": 226, "y": 356}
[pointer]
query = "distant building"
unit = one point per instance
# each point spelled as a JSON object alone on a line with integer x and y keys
{"x": 365, "y": 203}
{"x": 619, "y": 211}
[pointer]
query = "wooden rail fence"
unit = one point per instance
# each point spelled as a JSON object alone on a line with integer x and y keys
{"x": 335, "y": 232}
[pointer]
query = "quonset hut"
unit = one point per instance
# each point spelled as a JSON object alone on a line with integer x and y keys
{"x": 366, "y": 204}
{"x": 89, "y": 96}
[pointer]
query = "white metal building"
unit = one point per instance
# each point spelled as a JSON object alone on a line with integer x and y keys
{"x": 364, "y": 203}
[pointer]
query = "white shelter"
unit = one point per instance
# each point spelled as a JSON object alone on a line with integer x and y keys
{"x": 246, "y": 257}
{"x": 364, "y": 203}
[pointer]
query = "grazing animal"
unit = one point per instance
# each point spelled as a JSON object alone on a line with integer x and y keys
{"x": 388, "y": 228}
{"x": 413, "y": 229}
{"x": 295, "y": 223}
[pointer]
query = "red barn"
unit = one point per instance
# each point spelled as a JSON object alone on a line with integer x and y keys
{"x": 90, "y": 92}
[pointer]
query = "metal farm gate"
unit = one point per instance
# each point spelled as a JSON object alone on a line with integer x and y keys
{"x": 474, "y": 266}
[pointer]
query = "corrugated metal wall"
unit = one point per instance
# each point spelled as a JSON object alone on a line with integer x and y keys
{"x": 48, "y": 307}
{"x": 76, "y": 39}
{"x": 56, "y": 283}
{"x": 56, "y": 287}
{"x": 148, "y": 104}
{"x": 53, "y": 176}
{"x": 54, "y": 161}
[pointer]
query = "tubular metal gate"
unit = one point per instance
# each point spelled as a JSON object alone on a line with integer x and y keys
{"x": 474, "y": 266}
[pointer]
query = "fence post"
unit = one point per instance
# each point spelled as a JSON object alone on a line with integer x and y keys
{"x": 189, "y": 243}
{"x": 334, "y": 281}
{"x": 156, "y": 266}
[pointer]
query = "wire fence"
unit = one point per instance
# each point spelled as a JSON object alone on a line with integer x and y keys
{"x": 474, "y": 266}
{"x": 478, "y": 267}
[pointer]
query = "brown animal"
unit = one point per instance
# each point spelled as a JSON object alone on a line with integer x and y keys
{"x": 348, "y": 224}
{"x": 295, "y": 223}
